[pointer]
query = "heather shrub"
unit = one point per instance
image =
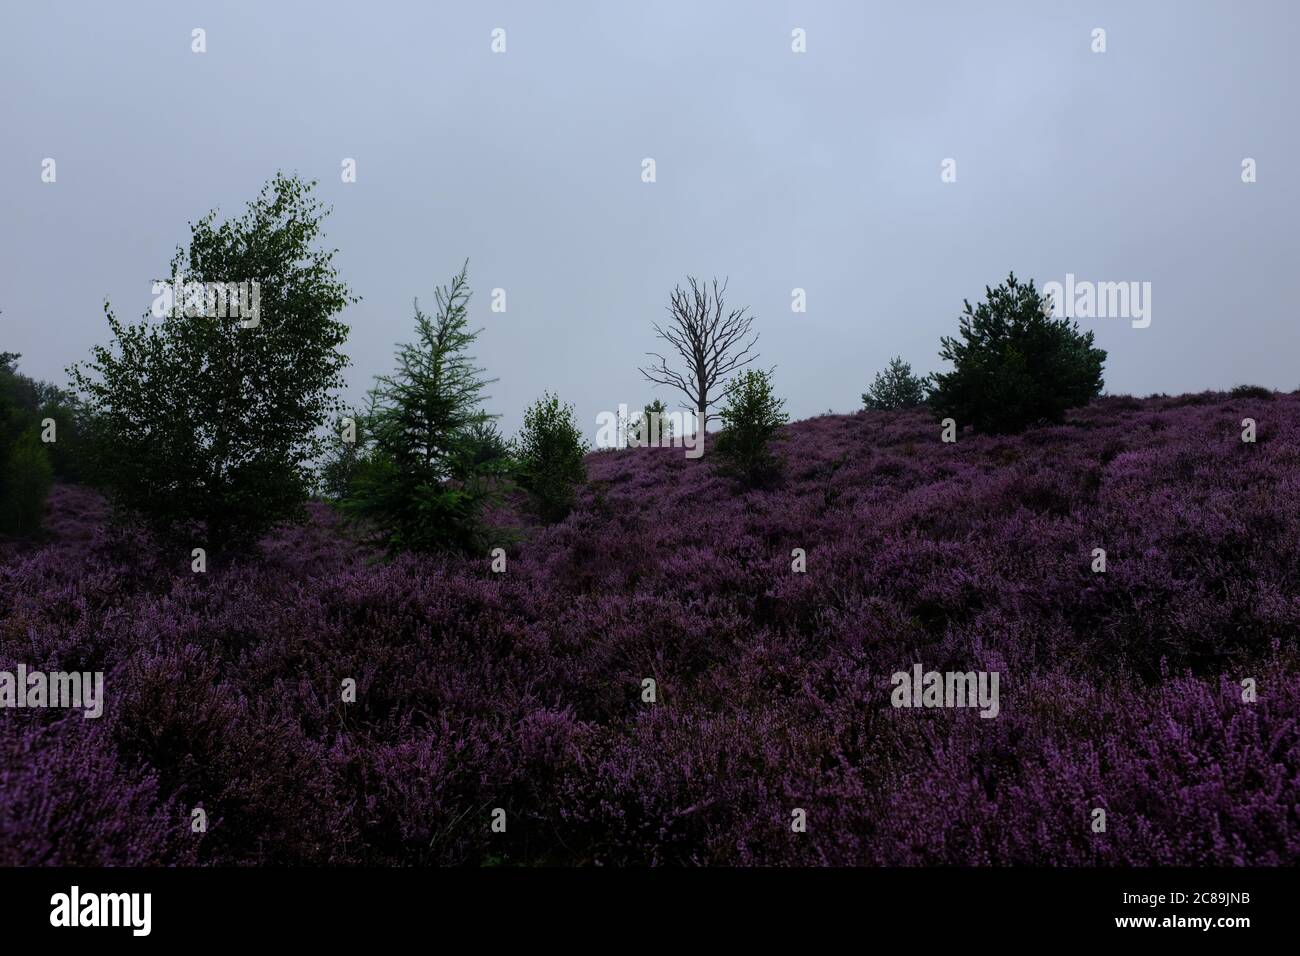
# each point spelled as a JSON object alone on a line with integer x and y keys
{"x": 1191, "y": 398}
{"x": 206, "y": 425}
{"x": 1120, "y": 690}
{"x": 1123, "y": 403}
{"x": 751, "y": 418}
{"x": 896, "y": 387}
{"x": 1187, "y": 775}
{"x": 549, "y": 452}
{"x": 28, "y": 475}
{"x": 420, "y": 486}
{"x": 1014, "y": 365}
{"x": 66, "y": 800}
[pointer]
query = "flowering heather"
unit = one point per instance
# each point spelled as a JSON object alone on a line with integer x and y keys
{"x": 522, "y": 690}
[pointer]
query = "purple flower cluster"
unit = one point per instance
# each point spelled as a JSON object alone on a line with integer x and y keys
{"x": 523, "y": 690}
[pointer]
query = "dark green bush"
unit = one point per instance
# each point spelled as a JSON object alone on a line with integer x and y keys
{"x": 1253, "y": 391}
{"x": 487, "y": 448}
{"x": 896, "y": 387}
{"x": 27, "y": 403}
{"x": 68, "y": 452}
{"x": 650, "y": 422}
{"x": 28, "y": 476}
{"x": 549, "y": 452}
{"x": 1014, "y": 365}
{"x": 343, "y": 458}
{"x": 751, "y": 418}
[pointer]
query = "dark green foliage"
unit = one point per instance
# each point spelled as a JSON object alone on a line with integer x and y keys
{"x": 549, "y": 452}
{"x": 10, "y": 415}
{"x": 205, "y": 427}
{"x": 68, "y": 452}
{"x": 343, "y": 458}
{"x": 896, "y": 387}
{"x": 487, "y": 447}
{"x": 27, "y": 403}
{"x": 1014, "y": 365}
{"x": 751, "y": 418}
{"x": 26, "y": 483}
{"x": 11, "y": 420}
{"x": 40, "y": 439}
{"x": 649, "y": 424}
{"x": 1253, "y": 391}
{"x": 419, "y": 486}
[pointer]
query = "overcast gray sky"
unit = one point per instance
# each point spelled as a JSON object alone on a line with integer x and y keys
{"x": 781, "y": 170}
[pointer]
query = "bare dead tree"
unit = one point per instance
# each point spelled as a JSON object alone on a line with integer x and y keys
{"x": 710, "y": 340}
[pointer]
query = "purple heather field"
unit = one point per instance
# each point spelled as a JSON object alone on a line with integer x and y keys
{"x": 522, "y": 690}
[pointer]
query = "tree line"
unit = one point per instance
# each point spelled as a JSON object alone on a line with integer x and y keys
{"x": 210, "y": 433}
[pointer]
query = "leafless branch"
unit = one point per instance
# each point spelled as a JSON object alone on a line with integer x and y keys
{"x": 711, "y": 341}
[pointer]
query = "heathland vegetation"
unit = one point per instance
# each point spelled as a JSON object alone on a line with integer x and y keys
{"x": 411, "y": 621}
